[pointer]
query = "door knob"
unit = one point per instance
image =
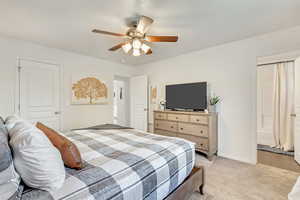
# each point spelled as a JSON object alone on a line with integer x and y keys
{"x": 293, "y": 115}
{"x": 57, "y": 113}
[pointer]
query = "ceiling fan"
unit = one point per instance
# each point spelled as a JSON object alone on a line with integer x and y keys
{"x": 136, "y": 37}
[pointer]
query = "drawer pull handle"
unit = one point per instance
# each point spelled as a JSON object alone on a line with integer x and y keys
{"x": 181, "y": 128}
{"x": 201, "y": 131}
{"x": 201, "y": 144}
{"x": 197, "y": 120}
{"x": 172, "y": 127}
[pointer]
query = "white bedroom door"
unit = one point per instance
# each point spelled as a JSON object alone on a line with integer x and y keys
{"x": 297, "y": 111}
{"x": 39, "y": 92}
{"x": 139, "y": 102}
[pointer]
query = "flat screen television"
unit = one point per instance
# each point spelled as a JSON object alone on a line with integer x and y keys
{"x": 189, "y": 96}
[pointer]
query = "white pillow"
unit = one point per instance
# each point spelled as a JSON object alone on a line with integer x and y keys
{"x": 37, "y": 161}
{"x": 10, "y": 121}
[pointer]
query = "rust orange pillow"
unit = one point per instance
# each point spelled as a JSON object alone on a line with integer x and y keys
{"x": 68, "y": 150}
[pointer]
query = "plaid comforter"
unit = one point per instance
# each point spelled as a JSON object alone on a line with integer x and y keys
{"x": 123, "y": 165}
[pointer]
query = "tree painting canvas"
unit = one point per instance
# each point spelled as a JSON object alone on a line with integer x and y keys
{"x": 89, "y": 90}
{"x": 153, "y": 94}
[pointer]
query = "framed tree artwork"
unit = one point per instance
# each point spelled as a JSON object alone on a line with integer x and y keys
{"x": 153, "y": 94}
{"x": 88, "y": 90}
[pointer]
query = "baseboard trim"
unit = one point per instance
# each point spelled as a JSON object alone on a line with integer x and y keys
{"x": 247, "y": 161}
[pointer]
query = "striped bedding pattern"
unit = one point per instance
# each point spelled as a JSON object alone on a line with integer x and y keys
{"x": 123, "y": 165}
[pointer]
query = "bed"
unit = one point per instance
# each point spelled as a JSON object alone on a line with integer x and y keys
{"x": 126, "y": 164}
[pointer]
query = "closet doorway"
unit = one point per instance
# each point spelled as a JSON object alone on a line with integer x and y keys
{"x": 121, "y": 101}
{"x": 278, "y": 103}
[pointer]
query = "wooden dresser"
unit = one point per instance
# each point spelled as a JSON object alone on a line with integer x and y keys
{"x": 198, "y": 127}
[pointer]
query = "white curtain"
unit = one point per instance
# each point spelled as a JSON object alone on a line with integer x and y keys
{"x": 284, "y": 97}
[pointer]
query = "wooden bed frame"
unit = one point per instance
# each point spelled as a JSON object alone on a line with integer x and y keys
{"x": 194, "y": 182}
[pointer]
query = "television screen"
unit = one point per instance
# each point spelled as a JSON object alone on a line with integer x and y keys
{"x": 187, "y": 96}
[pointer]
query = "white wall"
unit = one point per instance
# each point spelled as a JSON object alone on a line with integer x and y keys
{"x": 230, "y": 70}
{"x": 74, "y": 116}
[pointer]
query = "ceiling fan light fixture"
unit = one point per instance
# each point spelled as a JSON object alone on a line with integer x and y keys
{"x": 145, "y": 48}
{"x": 136, "y": 52}
{"x": 127, "y": 47}
{"x": 136, "y": 43}
{"x": 136, "y": 40}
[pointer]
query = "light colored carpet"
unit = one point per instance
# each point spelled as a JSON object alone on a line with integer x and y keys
{"x": 232, "y": 180}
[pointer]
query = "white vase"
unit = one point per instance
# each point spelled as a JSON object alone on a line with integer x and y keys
{"x": 212, "y": 108}
{"x": 162, "y": 107}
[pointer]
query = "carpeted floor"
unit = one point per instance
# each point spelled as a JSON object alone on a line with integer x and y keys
{"x": 232, "y": 180}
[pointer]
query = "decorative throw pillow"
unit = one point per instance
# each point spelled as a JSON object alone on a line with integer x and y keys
{"x": 9, "y": 178}
{"x": 37, "y": 161}
{"x": 69, "y": 152}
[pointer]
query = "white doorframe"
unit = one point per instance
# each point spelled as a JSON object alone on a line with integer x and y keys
{"x": 126, "y": 96}
{"x": 17, "y": 86}
{"x": 297, "y": 111}
{"x": 293, "y": 55}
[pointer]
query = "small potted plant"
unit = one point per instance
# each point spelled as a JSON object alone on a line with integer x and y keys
{"x": 213, "y": 101}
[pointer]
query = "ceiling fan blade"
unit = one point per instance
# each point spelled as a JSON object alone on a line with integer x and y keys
{"x": 114, "y": 48}
{"x": 150, "y": 38}
{"x": 108, "y": 33}
{"x": 144, "y": 24}
{"x": 149, "y": 52}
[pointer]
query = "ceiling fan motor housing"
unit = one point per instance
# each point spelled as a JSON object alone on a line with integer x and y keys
{"x": 133, "y": 33}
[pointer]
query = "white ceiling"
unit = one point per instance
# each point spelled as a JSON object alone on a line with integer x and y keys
{"x": 67, "y": 24}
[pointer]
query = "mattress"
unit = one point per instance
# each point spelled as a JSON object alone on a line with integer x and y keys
{"x": 123, "y": 165}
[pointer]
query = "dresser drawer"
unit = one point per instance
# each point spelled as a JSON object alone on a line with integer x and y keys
{"x": 199, "y": 119}
{"x": 165, "y": 133}
{"x": 201, "y": 143}
{"x": 166, "y": 125}
{"x": 178, "y": 117}
{"x": 193, "y": 129}
{"x": 160, "y": 115}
